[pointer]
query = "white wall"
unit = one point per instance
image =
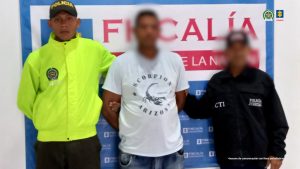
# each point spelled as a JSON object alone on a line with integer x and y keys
{"x": 287, "y": 75}
{"x": 12, "y": 138}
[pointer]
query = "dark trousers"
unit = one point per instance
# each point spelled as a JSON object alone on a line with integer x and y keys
{"x": 78, "y": 154}
{"x": 245, "y": 167}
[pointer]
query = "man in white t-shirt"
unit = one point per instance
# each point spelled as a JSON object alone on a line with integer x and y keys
{"x": 150, "y": 84}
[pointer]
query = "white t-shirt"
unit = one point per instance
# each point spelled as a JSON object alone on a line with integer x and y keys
{"x": 148, "y": 122}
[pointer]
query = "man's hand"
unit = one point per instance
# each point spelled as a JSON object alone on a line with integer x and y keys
{"x": 114, "y": 106}
{"x": 111, "y": 105}
{"x": 274, "y": 163}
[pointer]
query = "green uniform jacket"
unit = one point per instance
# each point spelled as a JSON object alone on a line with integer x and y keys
{"x": 59, "y": 88}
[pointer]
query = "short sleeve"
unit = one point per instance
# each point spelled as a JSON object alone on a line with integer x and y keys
{"x": 182, "y": 82}
{"x": 113, "y": 81}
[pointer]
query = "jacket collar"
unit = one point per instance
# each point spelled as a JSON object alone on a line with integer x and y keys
{"x": 57, "y": 43}
{"x": 246, "y": 73}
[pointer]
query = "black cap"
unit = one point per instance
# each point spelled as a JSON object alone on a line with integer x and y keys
{"x": 62, "y": 5}
{"x": 237, "y": 37}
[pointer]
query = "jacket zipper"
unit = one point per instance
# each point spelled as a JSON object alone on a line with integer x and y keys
{"x": 67, "y": 73}
{"x": 240, "y": 140}
{"x": 238, "y": 123}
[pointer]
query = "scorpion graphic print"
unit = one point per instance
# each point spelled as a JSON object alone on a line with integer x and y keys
{"x": 151, "y": 98}
{"x": 156, "y": 89}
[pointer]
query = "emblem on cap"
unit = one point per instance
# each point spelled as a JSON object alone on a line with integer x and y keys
{"x": 52, "y": 74}
{"x": 62, "y": 5}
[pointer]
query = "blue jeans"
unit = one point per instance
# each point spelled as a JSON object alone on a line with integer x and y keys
{"x": 172, "y": 161}
{"x": 246, "y": 167}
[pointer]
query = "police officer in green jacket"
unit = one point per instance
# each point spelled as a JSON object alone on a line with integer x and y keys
{"x": 59, "y": 93}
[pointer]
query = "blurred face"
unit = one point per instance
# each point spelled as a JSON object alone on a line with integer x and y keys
{"x": 64, "y": 26}
{"x": 237, "y": 55}
{"x": 147, "y": 31}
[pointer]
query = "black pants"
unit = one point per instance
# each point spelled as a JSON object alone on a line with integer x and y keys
{"x": 78, "y": 154}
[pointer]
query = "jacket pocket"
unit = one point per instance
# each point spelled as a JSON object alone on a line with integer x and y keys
{"x": 47, "y": 114}
{"x": 253, "y": 98}
{"x": 253, "y": 101}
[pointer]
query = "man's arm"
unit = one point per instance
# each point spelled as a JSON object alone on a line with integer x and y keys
{"x": 180, "y": 99}
{"x": 198, "y": 108}
{"x": 112, "y": 94}
{"x": 110, "y": 114}
{"x": 28, "y": 88}
{"x": 277, "y": 127}
{"x": 182, "y": 84}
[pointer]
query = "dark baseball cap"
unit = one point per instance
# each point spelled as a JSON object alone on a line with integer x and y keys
{"x": 62, "y": 5}
{"x": 237, "y": 37}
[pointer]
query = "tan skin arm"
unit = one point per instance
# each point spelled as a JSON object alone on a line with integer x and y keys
{"x": 180, "y": 99}
{"x": 111, "y": 105}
